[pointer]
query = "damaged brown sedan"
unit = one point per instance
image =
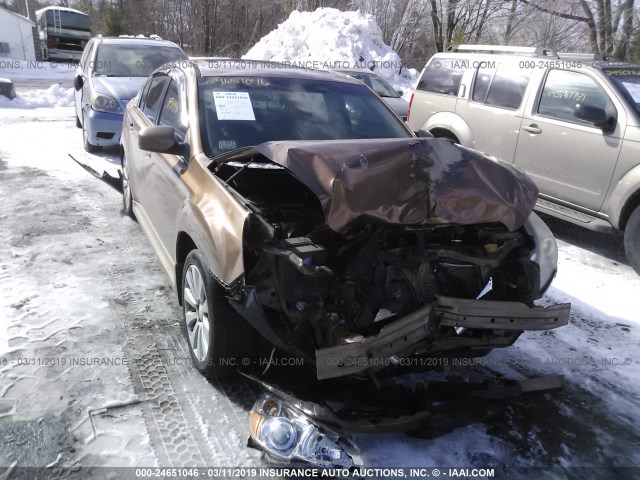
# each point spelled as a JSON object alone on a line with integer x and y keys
{"x": 294, "y": 206}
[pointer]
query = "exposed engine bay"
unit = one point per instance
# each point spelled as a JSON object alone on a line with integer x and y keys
{"x": 332, "y": 286}
{"x": 320, "y": 287}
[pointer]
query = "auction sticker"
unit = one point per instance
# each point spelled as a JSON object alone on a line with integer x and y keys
{"x": 233, "y": 106}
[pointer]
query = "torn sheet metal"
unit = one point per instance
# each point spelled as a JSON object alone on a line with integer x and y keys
{"x": 406, "y": 181}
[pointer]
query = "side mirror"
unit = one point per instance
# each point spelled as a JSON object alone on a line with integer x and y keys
{"x": 400, "y": 92}
{"x": 423, "y": 133}
{"x": 595, "y": 115}
{"x": 78, "y": 82}
{"x": 158, "y": 138}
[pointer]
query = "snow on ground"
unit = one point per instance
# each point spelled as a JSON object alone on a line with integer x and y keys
{"x": 18, "y": 70}
{"x": 330, "y": 39}
{"x": 54, "y": 96}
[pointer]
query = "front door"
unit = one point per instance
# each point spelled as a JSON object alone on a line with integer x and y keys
{"x": 569, "y": 159}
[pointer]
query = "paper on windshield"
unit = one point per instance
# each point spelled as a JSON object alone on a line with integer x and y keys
{"x": 633, "y": 89}
{"x": 233, "y": 106}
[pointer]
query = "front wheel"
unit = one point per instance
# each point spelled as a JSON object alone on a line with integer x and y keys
{"x": 88, "y": 146}
{"x": 632, "y": 240}
{"x": 127, "y": 195}
{"x": 220, "y": 340}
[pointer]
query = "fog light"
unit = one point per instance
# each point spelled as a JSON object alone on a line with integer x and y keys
{"x": 286, "y": 435}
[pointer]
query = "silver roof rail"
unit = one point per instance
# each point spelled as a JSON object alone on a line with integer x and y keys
{"x": 504, "y": 49}
{"x": 588, "y": 56}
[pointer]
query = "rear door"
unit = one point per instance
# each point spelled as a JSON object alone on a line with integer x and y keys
{"x": 494, "y": 107}
{"x": 570, "y": 160}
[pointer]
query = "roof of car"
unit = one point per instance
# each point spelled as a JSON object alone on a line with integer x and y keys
{"x": 363, "y": 71}
{"x": 254, "y": 68}
{"x": 136, "y": 40}
{"x": 596, "y": 61}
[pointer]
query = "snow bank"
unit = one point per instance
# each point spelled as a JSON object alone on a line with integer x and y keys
{"x": 54, "y": 96}
{"x": 331, "y": 39}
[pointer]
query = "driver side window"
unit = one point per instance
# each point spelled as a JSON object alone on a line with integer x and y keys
{"x": 171, "y": 114}
{"x": 153, "y": 97}
{"x": 563, "y": 90}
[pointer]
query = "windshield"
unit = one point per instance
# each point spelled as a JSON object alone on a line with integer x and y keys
{"x": 375, "y": 83}
{"x": 627, "y": 81}
{"x": 70, "y": 20}
{"x": 244, "y": 111}
{"x": 121, "y": 60}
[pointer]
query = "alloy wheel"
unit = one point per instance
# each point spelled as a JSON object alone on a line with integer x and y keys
{"x": 196, "y": 313}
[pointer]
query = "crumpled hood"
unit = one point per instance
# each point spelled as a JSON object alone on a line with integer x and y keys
{"x": 410, "y": 181}
{"x": 122, "y": 89}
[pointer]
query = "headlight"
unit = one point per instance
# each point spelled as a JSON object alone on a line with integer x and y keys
{"x": 546, "y": 251}
{"x": 103, "y": 103}
{"x": 286, "y": 434}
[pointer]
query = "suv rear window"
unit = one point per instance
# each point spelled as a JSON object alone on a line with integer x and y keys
{"x": 442, "y": 75}
{"x": 502, "y": 88}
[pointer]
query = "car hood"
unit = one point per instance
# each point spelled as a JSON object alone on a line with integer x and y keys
{"x": 410, "y": 181}
{"x": 398, "y": 104}
{"x": 122, "y": 89}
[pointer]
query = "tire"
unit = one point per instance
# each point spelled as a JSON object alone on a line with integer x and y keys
{"x": 78, "y": 124}
{"x": 220, "y": 340}
{"x": 89, "y": 147}
{"x": 450, "y": 139}
{"x": 127, "y": 194}
{"x": 632, "y": 240}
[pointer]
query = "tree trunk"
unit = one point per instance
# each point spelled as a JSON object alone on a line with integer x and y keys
{"x": 512, "y": 13}
{"x": 437, "y": 27}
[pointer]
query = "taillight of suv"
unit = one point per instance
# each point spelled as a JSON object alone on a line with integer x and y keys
{"x": 409, "y": 109}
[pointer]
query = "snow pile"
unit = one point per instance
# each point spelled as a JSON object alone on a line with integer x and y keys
{"x": 54, "y": 96}
{"x": 331, "y": 39}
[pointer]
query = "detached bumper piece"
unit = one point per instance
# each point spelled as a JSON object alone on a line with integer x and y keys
{"x": 418, "y": 330}
{"x": 400, "y": 338}
{"x": 495, "y": 315}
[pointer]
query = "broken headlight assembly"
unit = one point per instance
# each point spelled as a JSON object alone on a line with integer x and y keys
{"x": 287, "y": 436}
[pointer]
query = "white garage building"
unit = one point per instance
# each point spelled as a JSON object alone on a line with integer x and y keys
{"x": 16, "y": 36}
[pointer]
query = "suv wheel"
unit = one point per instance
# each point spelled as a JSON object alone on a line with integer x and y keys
{"x": 632, "y": 240}
{"x": 89, "y": 147}
{"x": 220, "y": 340}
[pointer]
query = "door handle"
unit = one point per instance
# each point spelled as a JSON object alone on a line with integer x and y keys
{"x": 533, "y": 128}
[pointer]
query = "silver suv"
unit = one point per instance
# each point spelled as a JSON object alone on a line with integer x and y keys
{"x": 571, "y": 122}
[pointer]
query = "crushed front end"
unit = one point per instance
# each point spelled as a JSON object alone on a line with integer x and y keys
{"x": 361, "y": 254}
